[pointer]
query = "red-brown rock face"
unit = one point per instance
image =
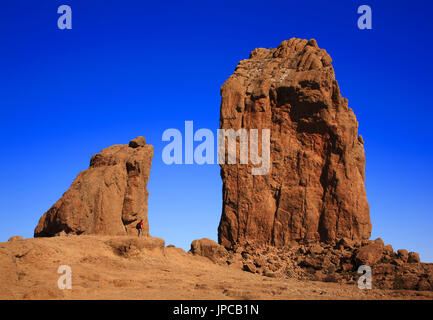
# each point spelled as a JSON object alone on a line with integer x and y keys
{"x": 108, "y": 198}
{"x": 315, "y": 186}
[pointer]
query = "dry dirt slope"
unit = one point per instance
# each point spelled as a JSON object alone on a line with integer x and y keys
{"x": 105, "y": 267}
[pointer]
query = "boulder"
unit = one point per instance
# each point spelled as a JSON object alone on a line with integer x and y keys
{"x": 316, "y": 249}
{"x": 109, "y": 198}
{"x": 370, "y": 254}
{"x": 209, "y": 249}
{"x": 249, "y": 267}
{"x": 346, "y": 243}
{"x": 388, "y": 249}
{"x": 424, "y": 285}
{"x": 310, "y": 262}
{"x": 402, "y": 254}
{"x": 137, "y": 142}
{"x": 413, "y": 257}
{"x": 385, "y": 269}
{"x": 380, "y": 242}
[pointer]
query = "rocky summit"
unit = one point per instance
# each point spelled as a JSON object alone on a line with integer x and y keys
{"x": 109, "y": 198}
{"x": 314, "y": 189}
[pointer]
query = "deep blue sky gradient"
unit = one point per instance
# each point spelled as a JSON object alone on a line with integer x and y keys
{"x": 130, "y": 68}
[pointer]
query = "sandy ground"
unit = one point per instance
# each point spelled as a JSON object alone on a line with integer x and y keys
{"x": 28, "y": 270}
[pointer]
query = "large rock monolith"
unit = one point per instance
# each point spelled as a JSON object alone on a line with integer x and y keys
{"x": 315, "y": 186}
{"x": 109, "y": 198}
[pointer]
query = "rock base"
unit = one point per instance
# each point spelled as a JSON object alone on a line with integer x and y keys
{"x": 337, "y": 262}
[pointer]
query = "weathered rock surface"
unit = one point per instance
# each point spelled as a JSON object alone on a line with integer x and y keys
{"x": 315, "y": 186}
{"x": 319, "y": 261}
{"x": 129, "y": 247}
{"x": 371, "y": 253}
{"x": 15, "y": 238}
{"x": 413, "y": 257}
{"x": 209, "y": 249}
{"x": 108, "y": 198}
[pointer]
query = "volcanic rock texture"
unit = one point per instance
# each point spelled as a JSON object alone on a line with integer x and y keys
{"x": 108, "y": 198}
{"x": 315, "y": 186}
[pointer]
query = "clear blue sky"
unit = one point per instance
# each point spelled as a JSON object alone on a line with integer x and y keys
{"x": 130, "y": 68}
